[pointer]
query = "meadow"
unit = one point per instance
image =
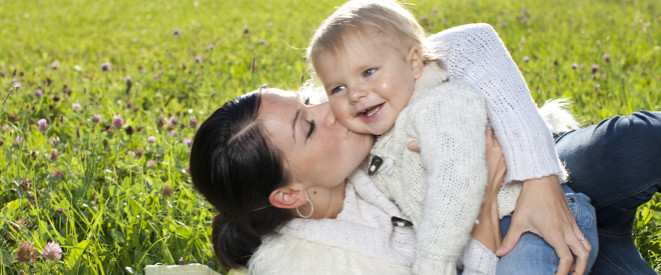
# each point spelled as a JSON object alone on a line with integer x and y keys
{"x": 100, "y": 101}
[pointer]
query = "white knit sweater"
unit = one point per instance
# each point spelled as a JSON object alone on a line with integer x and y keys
{"x": 361, "y": 240}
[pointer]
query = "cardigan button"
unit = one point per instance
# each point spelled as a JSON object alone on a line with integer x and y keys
{"x": 375, "y": 164}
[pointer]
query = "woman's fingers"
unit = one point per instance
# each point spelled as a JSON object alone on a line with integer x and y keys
{"x": 496, "y": 166}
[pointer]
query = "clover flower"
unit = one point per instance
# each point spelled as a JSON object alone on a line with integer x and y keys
{"x": 246, "y": 30}
{"x": 176, "y": 32}
{"x": 595, "y": 68}
{"x": 211, "y": 47}
{"x": 96, "y": 118}
{"x": 52, "y": 251}
{"x": 607, "y": 58}
{"x": 262, "y": 41}
{"x": 151, "y": 139}
{"x": 55, "y": 65}
{"x": 198, "y": 59}
{"x": 43, "y": 124}
{"x": 187, "y": 142}
{"x": 26, "y": 252}
{"x": 75, "y": 106}
{"x": 117, "y": 121}
{"x": 172, "y": 121}
{"x": 58, "y": 174}
{"x": 167, "y": 191}
{"x": 151, "y": 163}
{"x": 193, "y": 122}
{"x": 526, "y": 59}
{"x": 106, "y": 66}
{"x": 574, "y": 65}
{"x": 38, "y": 93}
{"x": 54, "y": 154}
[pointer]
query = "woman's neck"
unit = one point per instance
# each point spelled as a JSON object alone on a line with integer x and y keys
{"x": 327, "y": 202}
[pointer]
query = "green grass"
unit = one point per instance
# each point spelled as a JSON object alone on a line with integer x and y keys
{"x": 107, "y": 208}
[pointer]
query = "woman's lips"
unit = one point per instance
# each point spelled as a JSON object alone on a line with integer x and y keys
{"x": 370, "y": 113}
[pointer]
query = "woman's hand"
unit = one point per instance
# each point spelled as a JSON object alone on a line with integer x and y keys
{"x": 542, "y": 209}
{"x": 487, "y": 229}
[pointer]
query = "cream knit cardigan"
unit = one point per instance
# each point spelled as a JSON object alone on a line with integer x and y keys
{"x": 361, "y": 240}
{"x": 441, "y": 188}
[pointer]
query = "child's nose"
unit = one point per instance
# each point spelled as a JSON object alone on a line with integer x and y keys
{"x": 356, "y": 94}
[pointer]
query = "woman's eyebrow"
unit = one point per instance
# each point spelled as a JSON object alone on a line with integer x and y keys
{"x": 293, "y": 125}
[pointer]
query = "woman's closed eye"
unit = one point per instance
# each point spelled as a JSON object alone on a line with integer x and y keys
{"x": 311, "y": 130}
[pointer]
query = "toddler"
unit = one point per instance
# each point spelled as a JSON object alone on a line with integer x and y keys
{"x": 381, "y": 79}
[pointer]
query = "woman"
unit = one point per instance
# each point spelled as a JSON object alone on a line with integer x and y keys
{"x": 363, "y": 233}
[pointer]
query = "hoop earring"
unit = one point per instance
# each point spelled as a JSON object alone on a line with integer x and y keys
{"x": 311, "y": 210}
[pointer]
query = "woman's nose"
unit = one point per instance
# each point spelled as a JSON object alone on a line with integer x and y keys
{"x": 325, "y": 113}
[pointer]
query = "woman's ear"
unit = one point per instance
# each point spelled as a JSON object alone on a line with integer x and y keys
{"x": 414, "y": 58}
{"x": 288, "y": 197}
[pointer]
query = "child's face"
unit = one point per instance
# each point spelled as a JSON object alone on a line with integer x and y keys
{"x": 370, "y": 81}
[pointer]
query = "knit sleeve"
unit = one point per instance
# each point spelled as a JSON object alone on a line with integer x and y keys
{"x": 450, "y": 129}
{"x": 478, "y": 259}
{"x": 476, "y": 55}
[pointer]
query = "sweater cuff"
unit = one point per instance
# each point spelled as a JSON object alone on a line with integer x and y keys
{"x": 478, "y": 259}
{"x": 424, "y": 265}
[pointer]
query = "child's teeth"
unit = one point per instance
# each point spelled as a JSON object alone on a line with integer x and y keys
{"x": 372, "y": 112}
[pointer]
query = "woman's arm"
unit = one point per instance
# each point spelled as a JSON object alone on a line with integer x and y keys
{"x": 474, "y": 53}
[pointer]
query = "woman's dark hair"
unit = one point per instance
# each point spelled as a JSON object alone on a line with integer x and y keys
{"x": 236, "y": 167}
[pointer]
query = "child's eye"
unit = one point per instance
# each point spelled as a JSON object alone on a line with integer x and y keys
{"x": 369, "y": 72}
{"x": 336, "y": 90}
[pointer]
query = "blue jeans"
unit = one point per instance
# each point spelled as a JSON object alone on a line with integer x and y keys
{"x": 533, "y": 255}
{"x": 617, "y": 163}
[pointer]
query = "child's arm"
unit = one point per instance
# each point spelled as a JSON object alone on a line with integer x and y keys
{"x": 476, "y": 55}
{"x": 449, "y": 126}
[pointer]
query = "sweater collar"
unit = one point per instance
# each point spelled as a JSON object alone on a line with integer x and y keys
{"x": 432, "y": 75}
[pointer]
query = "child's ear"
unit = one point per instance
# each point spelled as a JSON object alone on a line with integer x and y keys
{"x": 414, "y": 58}
{"x": 288, "y": 197}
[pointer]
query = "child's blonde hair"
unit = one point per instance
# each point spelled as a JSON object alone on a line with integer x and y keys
{"x": 389, "y": 17}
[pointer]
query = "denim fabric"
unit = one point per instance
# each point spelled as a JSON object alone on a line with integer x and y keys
{"x": 533, "y": 255}
{"x": 617, "y": 163}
